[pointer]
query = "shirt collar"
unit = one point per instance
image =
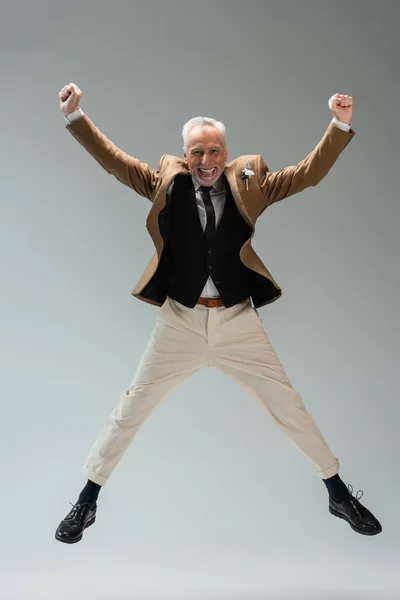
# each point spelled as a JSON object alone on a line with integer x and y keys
{"x": 218, "y": 186}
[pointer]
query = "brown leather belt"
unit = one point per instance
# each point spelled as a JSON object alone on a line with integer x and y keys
{"x": 213, "y": 302}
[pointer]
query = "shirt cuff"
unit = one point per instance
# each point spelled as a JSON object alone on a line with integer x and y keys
{"x": 341, "y": 125}
{"x": 77, "y": 114}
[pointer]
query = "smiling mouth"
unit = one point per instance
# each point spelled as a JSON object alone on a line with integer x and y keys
{"x": 208, "y": 172}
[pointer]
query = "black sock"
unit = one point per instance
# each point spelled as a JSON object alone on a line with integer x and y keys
{"x": 89, "y": 493}
{"x": 337, "y": 488}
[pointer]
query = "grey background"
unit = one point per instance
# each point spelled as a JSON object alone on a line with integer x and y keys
{"x": 199, "y": 507}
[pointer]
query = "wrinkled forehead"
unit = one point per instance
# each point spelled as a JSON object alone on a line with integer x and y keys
{"x": 205, "y": 136}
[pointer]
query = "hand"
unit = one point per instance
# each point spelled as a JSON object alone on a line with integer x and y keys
{"x": 70, "y": 96}
{"x": 342, "y": 108}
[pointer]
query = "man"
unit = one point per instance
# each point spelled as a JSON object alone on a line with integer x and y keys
{"x": 208, "y": 282}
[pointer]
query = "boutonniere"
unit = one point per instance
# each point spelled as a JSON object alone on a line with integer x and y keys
{"x": 247, "y": 173}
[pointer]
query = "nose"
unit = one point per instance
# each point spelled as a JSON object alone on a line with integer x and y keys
{"x": 204, "y": 160}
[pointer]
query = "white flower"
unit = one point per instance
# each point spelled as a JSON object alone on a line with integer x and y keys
{"x": 247, "y": 173}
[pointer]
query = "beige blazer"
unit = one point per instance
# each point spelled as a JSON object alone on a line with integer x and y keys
{"x": 264, "y": 188}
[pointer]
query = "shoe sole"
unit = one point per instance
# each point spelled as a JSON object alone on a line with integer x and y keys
{"x": 65, "y": 541}
{"x": 340, "y": 516}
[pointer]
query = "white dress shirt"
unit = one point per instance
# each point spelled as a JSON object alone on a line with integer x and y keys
{"x": 217, "y": 194}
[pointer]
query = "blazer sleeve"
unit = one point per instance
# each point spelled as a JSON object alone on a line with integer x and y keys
{"x": 127, "y": 169}
{"x": 291, "y": 180}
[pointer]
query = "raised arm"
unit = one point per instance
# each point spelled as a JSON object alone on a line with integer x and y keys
{"x": 291, "y": 180}
{"x": 127, "y": 169}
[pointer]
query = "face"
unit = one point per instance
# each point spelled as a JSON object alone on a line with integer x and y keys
{"x": 205, "y": 154}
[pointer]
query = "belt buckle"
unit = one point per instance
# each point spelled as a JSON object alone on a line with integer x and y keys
{"x": 213, "y": 302}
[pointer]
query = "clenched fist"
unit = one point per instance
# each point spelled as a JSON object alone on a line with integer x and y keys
{"x": 70, "y": 96}
{"x": 342, "y": 107}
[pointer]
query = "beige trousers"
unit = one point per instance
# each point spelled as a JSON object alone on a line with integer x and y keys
{"x": 186, "y": 339}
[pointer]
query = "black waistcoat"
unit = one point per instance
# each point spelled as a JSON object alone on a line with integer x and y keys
{"x": 188, "y": 260}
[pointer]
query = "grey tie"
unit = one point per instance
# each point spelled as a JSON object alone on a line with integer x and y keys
{"x": 210, "y": 227}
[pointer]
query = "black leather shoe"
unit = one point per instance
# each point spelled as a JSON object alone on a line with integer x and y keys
{"x": 70, "y": 530}
{"x": 351, "y": 510}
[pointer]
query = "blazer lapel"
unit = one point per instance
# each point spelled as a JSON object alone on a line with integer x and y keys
{"x": 159, "y": 202}
{"x": 237, "y": 187}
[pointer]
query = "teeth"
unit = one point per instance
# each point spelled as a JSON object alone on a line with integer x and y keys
{"x": 204, "y": 170}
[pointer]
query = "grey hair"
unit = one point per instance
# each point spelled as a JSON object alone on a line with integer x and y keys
{"x": 203, "y": 121}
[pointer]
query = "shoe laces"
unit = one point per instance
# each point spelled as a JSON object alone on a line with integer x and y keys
{"x": 354, "y": 500}
{"x": 77, "y": 509}
{"x": 357, "y": 497}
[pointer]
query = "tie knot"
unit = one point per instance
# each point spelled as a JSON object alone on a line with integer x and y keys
{"x": 206, "y": 188}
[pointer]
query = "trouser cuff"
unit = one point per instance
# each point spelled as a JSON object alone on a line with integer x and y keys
{"x": 330, "y": 472}
{"x": 95, "y": 477}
